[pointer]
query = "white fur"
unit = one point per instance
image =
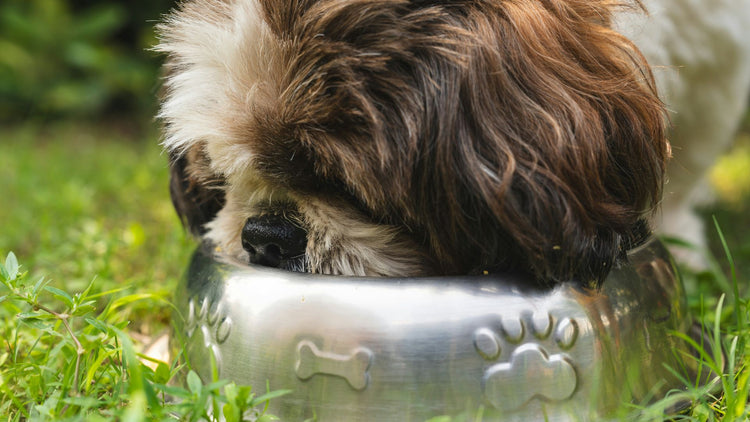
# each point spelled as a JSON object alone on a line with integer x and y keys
{"x": 226, "y": 56}
{"x": 341, "y": 243}
{"x": 700, "y": 53}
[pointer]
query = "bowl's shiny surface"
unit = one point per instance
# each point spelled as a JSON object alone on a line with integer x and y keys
{"x": 367, "y": 349}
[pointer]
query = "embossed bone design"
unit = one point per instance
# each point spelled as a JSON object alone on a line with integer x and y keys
{"x": 353, "y": 368}
{"x": 529, "y": 374}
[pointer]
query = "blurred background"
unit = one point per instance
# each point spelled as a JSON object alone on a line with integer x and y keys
{"x": 79, "y": 59}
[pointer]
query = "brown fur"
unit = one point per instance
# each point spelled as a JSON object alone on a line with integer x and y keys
{"x": 510, "y": 135}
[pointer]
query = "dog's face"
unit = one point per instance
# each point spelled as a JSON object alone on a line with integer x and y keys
{"x": 399, "y": 138}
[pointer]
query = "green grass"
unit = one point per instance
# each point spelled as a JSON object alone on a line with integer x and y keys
{"x": 86, "y": 212}
{"x": 97, "y": 252}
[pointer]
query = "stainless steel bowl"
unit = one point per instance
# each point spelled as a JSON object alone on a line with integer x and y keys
{"x": 374, "y": 349}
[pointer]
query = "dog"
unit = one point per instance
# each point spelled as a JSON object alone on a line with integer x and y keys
{"x": 413, "y": 138}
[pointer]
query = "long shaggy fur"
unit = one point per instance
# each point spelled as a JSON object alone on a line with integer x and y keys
{"x": 417, "y": 137}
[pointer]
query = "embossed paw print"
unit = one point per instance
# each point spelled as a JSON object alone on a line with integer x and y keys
{"x": 210, "y": 322}
{"x": 531, "y": 371}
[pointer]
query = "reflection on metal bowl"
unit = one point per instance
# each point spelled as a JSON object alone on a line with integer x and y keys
{"x": 377, "y": 349}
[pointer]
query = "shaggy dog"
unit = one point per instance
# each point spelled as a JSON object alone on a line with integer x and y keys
{"x": 406, "y": 138}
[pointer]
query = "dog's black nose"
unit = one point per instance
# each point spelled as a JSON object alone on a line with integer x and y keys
{"x": 272, "y": 239}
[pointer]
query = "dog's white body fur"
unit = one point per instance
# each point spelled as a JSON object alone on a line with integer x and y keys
{"x": 700, "y": 51}
{"x": 700, "y": 54}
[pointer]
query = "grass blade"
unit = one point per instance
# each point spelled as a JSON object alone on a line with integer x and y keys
{"x": 735, "y": 286}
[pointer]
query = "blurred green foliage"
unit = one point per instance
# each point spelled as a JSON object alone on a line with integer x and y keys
{"x": 78, "y": 58}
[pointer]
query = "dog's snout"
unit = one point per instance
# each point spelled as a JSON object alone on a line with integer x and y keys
{"x": 273, "y": 239}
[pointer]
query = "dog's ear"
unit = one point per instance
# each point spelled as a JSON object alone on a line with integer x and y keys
{"x": 563, "y": 144}
{"x": 196, "y": 194}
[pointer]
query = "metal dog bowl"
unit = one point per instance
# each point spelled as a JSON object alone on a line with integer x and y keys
{"x": 373, "y": 349}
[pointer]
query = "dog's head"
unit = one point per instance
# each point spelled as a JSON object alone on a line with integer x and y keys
{"x": 397, "y": 137}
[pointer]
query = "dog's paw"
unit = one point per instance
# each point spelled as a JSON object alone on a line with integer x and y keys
{"x": 212, "y": 324}
{"x": 536, "y": 366}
